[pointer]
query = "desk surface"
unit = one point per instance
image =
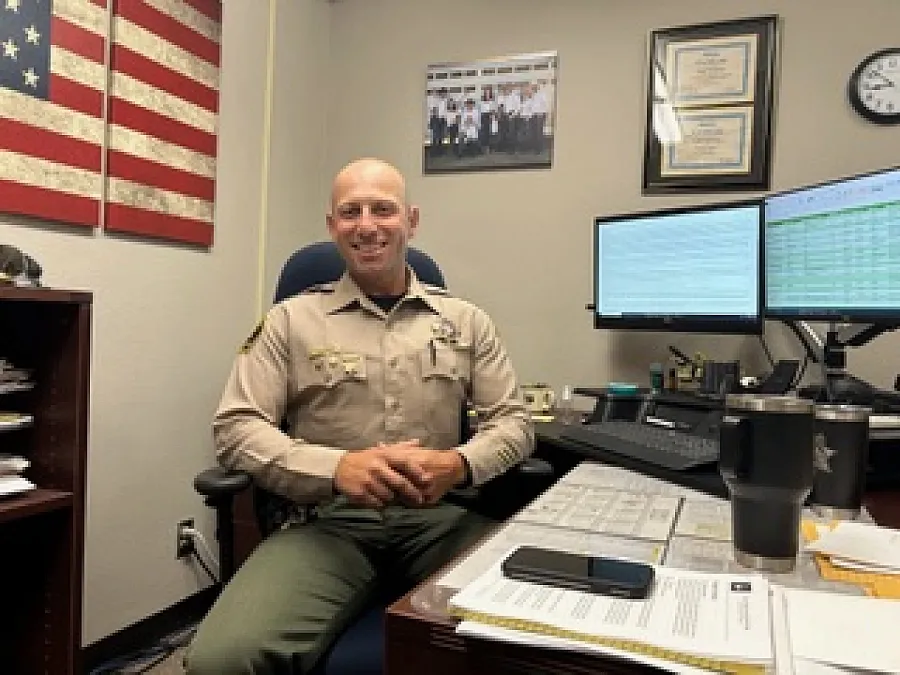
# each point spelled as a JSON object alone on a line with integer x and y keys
{"x": 420, "y": 636}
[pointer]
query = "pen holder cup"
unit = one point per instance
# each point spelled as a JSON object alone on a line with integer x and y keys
{"x": 539, "y": 399}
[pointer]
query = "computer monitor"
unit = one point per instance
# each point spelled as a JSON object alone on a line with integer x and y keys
{"x": 692, "y": 269}
{"x": 832, "y": 250}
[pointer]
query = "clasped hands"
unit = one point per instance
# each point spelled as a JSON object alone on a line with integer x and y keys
{"x": 404, "y": 473}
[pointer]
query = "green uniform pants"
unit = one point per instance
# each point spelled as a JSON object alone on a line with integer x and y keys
{"x": 304, "y": 584}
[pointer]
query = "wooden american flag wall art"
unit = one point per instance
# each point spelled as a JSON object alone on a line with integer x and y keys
{"x": 108, "y": 114}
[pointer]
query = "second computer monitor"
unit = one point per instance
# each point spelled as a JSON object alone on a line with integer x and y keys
{"x": 833, "y": 250}
{"x": 693, "y": 269}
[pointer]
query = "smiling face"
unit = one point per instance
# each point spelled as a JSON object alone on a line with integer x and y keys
{"x": 371, "y": 225}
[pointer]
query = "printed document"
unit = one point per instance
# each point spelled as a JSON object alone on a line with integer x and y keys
{"x": 720, "y": 617}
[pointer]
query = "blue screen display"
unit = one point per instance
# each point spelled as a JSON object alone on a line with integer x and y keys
{"x": 696, "y": 264}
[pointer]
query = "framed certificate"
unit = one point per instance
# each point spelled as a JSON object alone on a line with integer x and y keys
{"x": 709, "y": 107}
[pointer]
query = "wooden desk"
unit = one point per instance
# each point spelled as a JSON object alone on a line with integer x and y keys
{"x": 424, "y": 642}
{"x": 417, "y": 643}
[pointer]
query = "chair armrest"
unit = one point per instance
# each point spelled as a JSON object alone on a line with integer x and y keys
{"x": 534, "y": 468}
{"x": 506, "y": 494}
{"x": 218, "y": 483}
{"x": 219, "y": 487}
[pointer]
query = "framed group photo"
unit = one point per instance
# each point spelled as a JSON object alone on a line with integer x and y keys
{"x": 490, "y": 114}
{"x": 709, "y": 107}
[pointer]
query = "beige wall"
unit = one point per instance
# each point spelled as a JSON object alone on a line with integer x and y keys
{"x": 519, "y": 242}
{"x": 167, "y": 323}
{"x": 346, "y": 80}
{"x": 297, "y": 186}
{"x": 168, "y": 320}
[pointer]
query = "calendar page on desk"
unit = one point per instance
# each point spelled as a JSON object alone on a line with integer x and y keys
{"x": 604, "y": 510}
{"x": 591, "y": 474}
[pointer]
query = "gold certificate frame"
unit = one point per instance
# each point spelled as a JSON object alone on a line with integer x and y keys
{"x": 709, "y": 107}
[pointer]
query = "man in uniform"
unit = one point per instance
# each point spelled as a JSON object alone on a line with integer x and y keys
{"x": 370, "y": 373}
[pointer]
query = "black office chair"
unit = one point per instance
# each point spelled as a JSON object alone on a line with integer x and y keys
{"x": 360, "y": 649}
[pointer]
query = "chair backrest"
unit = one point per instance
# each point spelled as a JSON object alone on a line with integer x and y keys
{"x": 321, "y": 263}
{"x": 314, "y": 264}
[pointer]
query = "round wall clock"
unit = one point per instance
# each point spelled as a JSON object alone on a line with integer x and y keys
{"x": 874, "y": 87}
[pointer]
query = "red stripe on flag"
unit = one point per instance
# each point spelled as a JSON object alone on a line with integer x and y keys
{"x": 135, "y": 117}
{"x": 36, "y": 142}
{"x": 146, "y": 70}
{"x": 100, "y": 3}
{"x": 169, "y": 29}
{"x": 78, "y": 40}
{"x": 121, "y": 218}
{"x": 146, "y": 172}
{"x": 76, "y": 96}
{"x": 50, "y": 204}
{"x": 210, "y": 8}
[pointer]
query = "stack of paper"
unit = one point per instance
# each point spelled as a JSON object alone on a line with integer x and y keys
{"x": 13, "y": 485}
{"x": 821, "y": 632}
{"x": 13, "y": 379}
{"x": 15, "y": 420}
{"x": 11, "y": 480}
{"x": 838, "y": 556}
{"x": 518, "y": 637}
{"x": 861, "y": 546}
{"x": 12, "y": 464}
{"x": 715, "y": 621}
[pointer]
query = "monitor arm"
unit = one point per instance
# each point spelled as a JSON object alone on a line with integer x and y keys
{"x": 830, "y": 351}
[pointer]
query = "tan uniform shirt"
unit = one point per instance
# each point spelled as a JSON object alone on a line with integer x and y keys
{"x": 346, "y": 376}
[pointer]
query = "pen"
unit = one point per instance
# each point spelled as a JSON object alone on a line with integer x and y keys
{"x": 684, "y": 358}
{"x": 432, "y": 351}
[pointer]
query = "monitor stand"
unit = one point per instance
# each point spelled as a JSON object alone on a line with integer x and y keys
{"x": 838, "y": 385}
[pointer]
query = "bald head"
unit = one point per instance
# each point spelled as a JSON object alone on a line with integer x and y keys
{"x": 371, "y": 223}
{"x": 368, "y": 171}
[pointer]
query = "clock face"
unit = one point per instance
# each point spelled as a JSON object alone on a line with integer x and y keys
{"x": 874, "y": 87}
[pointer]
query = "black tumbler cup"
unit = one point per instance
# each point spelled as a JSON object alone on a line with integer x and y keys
{"x": 841, "y": 456}
{"x": 766, "y": 460}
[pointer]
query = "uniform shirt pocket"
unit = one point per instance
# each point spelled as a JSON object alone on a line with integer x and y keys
{"x": 332, "y": 371}
{"x": 443, "y": 362}
{"x": 334, "y": 395}
{"x": 446, "y": 374}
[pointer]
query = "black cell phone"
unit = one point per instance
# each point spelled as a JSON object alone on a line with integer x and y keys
{"x": 607, "y": 576}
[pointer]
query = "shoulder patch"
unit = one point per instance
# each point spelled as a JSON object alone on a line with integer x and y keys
{"x": 319, "y": 288}
{"x": 253, "y": 337}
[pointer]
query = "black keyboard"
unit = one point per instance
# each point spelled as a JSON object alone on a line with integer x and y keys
{"x": 663, "y": 447}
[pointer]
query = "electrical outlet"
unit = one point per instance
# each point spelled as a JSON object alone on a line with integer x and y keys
{"x": 184, "y": 543}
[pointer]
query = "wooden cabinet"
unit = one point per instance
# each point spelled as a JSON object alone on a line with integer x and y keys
{"x": 47, "y": 331}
